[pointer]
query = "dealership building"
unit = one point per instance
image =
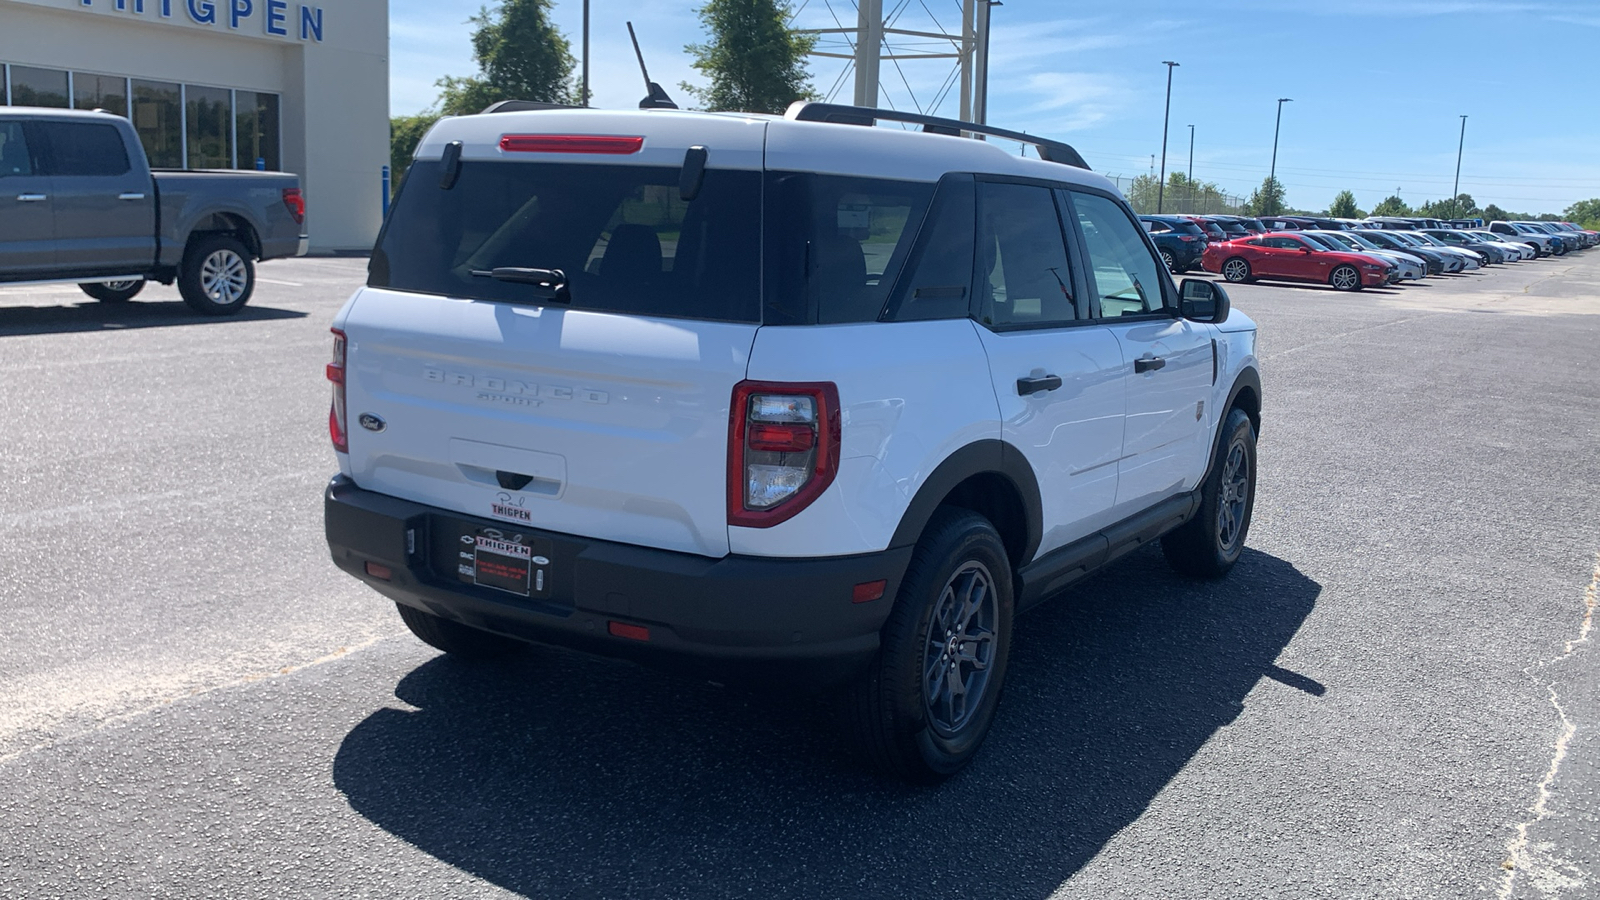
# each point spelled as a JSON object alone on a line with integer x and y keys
{"x": 285, "y": 85}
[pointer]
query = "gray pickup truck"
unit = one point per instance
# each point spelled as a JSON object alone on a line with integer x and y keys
{"x": 79, "y": 203}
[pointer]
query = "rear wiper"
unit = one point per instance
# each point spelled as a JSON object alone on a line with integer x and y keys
{"x": 548, "y": 284}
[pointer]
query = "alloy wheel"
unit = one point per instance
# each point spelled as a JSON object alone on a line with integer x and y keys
{"x": 223, "y": 277}
{"x": 1234, "y": 497}
{"x": 960, "y": 653}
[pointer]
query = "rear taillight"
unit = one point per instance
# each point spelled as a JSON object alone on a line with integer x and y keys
{"x": 337, "y": 421}
{"x": 296, "y": 202}
{"x": 783, "y": 449}
{"x": 1188, "y": 237}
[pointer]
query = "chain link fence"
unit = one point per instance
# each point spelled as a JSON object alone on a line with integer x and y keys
{"x": 1142, "y": 196}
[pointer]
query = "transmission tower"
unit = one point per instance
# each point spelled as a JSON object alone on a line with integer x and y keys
{"x": 876, "y": 38}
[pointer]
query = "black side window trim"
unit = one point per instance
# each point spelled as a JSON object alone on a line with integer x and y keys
{"x": 893, "y": 301}
{"x": 1080, "y": 247}
{"x": 1080, "y": 286}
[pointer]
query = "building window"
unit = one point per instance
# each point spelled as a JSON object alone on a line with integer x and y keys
{"x": 38, "y": 87}
{"x": 256, "y": 115}
{"x": 100, "y": 92}
{"x": 210, "y": 131}
{"x": 157, "y": 118}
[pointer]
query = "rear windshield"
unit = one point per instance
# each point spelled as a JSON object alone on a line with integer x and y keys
{"x": 623, "y": 236}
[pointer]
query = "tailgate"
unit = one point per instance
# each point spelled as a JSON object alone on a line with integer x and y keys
{"x": 597, "y": 424}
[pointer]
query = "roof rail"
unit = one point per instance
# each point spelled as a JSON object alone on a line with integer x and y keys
{"x": 805, "y": 111}
{"x": 503, "y": 106}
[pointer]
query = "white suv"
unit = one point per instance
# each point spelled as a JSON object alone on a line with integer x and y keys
{"x": 776, "y": 399}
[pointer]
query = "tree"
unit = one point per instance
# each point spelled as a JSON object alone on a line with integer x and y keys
{"x": 1266, "y": 200}
{"x": 405, "y": 133}
{"x": 1492, "y": 213}
{"x": 1584, "y": 212}
{"x": 1344, "y": 207}
{"x": 1392, "y": 206}
{"x": 520, "y": 55}
{"x": 755, "y": 63}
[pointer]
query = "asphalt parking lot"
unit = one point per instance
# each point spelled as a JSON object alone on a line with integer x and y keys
{"x": 1394, "y": 694}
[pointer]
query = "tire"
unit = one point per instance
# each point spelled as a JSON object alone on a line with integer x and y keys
{"x": 1345, "y": 278}
{"x": 1237, "y": 270}
{"x": 218, "y": 276}
{"x": 457, "y": 639}
{"x": 113, "y": 291}
{"x": 1209, "y": 544}
{"x": 1170, "y": 261}
{"x": 904, "y": 712}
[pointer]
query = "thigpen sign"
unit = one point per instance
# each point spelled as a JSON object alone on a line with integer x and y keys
{"x": 273, "y": 14}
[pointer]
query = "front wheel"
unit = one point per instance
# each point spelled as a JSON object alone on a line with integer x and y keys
{"x": 1345, "y": 278}
{"x": 217, "y": 276}
{"x": 113, "y": 291}
{"x": 1209, "y": 544}
{"x": 925, "y": 704}
{"x": 1236, "y": 270}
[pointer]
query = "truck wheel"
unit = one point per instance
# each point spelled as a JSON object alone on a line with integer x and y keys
{"x": 924, "y": 705}
{"x": 218, "y": 275}
{"x": 113, "y": 291}
{"x": 455, "y": 638}
{"x": 1209, "y": 544}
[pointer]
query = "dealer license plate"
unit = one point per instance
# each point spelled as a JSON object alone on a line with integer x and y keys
{"x": 511, "y": 563}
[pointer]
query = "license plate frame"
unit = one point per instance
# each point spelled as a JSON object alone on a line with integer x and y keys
{"x": 504, "y": 560}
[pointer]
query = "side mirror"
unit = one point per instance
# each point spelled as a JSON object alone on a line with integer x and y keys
{"x": 1203, "y": 301}
{"x": 1307, "y": 250}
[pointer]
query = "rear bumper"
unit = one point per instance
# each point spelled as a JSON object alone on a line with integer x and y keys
{"x": 748, "y": 619}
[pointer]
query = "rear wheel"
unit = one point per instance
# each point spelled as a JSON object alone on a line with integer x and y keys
{"x": 1345, "y": 278}
{"x": 925, "y": 704}
{"x": 455, "y": 638}
{"x": 1170, "y": 261}
{"x": 217, "y": 276}
{"x": 1236, "y": 270}
{"x": 113, "y": 291}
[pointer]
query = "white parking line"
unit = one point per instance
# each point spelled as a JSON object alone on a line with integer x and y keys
{"x": 275, "y": 281}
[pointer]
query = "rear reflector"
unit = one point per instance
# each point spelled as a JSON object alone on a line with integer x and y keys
{"x": 631, "y": 632}
{"x": 570, "y": 143}
{"x": 382, "y": 573}
{"x": 868, "y": 591}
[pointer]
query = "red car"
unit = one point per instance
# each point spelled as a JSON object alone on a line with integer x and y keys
{"x": 1287, "y": 256}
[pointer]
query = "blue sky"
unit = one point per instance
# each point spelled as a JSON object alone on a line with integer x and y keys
{"x": 1378, "y": 85}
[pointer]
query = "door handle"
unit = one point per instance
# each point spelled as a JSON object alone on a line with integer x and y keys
{"x": 1035, "y": 384}
{"x": 1149, "y": 365}
{"x": 131, "y": 195}
{"x": 30, "y": 198}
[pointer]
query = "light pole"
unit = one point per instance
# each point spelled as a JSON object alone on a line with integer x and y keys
{"x": 1191, "y": 169}
{"x": 1275, "y": 129}
{"x": 1272, "y": 176}
{"x": 583, "y": 86}
{"x": 980, "y": 100}
{"x": 1461, "y": 147}
{"x": 1161, "y": 187}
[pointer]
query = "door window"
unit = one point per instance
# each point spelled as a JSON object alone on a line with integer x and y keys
{"x": 85, "y": 148}
{"x": 14, "y": 156}
{"x": 1123, "y": 272}
{"x": 1023, "y": 277}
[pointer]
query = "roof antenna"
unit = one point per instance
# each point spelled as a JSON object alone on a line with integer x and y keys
{"x": 657, "y": 98}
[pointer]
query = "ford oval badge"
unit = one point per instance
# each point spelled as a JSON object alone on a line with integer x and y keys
{"x": 371, "y": 422}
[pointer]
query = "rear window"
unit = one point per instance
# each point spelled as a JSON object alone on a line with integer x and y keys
{"x": 624, "y": 237}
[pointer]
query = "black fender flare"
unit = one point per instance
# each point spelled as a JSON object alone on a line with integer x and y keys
{"x": 984, "y": 457}
{"x": 1249, "y": 379}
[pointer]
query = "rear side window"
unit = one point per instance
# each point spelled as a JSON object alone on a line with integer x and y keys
{"x": 938, "y": 276}
{"x": 85, "y": 148}
{"x": 623, "y": 236}
{"x": 1023, "y": 277}
{"x": 14, "y": 156}
{"x": 835, "y": 244}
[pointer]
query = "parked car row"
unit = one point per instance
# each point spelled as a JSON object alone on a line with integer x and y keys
{"x": 1351, "y": 254}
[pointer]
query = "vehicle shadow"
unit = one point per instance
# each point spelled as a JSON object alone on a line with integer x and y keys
{"x": 564, "y": 776}
{"x": 95, "y": 316}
